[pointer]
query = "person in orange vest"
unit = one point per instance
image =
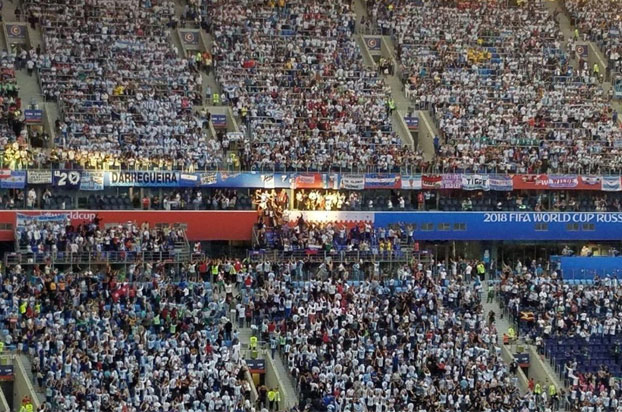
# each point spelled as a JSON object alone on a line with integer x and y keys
{"x": 207, "y": 62}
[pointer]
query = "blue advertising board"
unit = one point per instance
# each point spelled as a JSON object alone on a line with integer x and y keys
{"x": 7, "y": 373}
{"x": 507, "y": 225}
{"x": 522, "y": 359}
{"x": 219, "y": 120}
{"x": 256, "y": 365}
{"x": 586, "y": 267}
{"x": 412, "y": 122}
{"x": 251, "y": 180}
{"x": 33, "y": 116}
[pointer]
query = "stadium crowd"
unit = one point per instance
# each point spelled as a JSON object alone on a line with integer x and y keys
{"x": 418, "y": 338}
{"x": 599, "y": 22}
{"x": 296, "y": 72}
{"x": 308, "y": 110}
{"x": 502, "y": 92}
{"x": 499, "y": 84}
{"x": 60, "y": 238}
{"x": 561, "y": 309}
{"x": 557, "y": 315}
{"x": 330, "y": 237}
{"x": 411, "y": 339}
{"x": 417, "y": 343}
{"x": 125, "y": 95}
{"x": 101, "y": 344}
{"x": 11, "y": 118}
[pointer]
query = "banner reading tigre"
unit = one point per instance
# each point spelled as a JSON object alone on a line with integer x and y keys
{"x": 475, "y": 182}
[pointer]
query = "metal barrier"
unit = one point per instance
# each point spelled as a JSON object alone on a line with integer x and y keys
{"x": 321, "y": 256}
{"x": 97, "y": 258}
{"x": 225, "y": 166}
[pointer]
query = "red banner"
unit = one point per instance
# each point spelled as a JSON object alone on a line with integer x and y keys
{"x": 530, "y": 182}
{"x": 309, "y": 181}
{"x": 557, "y": 182}
{"x": 201, "y": 225}
{"x": 431, "y": 181}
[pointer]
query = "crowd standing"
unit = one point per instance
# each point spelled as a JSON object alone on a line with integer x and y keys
{"x": 501, "y": 88}
{"x": 505, "y": 99}
{"x": 294, "y": 71}
{"x": 15, "y": 138}
{"x": 599, "y": 22}
{"x": 561, "y": 308}
{"x": 330, "y": 237}
{"x": 60, "y": 238}
{"x": 125, "y": 95}
{"x": 99, "y": 343}
{"x": 551, "y": 311}
{"x": 127, "y": 99}
{"x": 420, "y": 343}
{"x": 271, "y": 205}
{"x": 386, "y": 343}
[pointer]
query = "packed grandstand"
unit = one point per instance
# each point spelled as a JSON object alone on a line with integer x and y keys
{"x": 310, "y": 205}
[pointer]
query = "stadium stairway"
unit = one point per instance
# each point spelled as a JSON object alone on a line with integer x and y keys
{"x": 286, "y": 384}
{"x": 208, "y": 80}
{"x": 427, "y": 128}
{"x": 360, "y": 12}
{"x": 28, "y": 368}
{"x": 502, "y": 323}
{"x": 595, "y": 54}
{"x": 29, "y": 86}
{"x": 542, "y": 365}
{"x": 276, "y": 372}
{"x": 209, "y": 84}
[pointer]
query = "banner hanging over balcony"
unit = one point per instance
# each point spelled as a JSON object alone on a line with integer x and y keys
{"x": 99, "y": 180}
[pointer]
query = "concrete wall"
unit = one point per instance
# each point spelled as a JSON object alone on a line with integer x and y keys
{"x": 22, "y": 386}
{"x": 539, "y": 369}
{"x": 273, "y": 379}
{"x": 254, "y": 394}
{"x": 507, "y": 352}
{"x": 4, "y": 404}
{"x": 386, "y": 49}
{"x": 427, "y": 131}
{"x": 594, "y": 57}
{"x": 48, "y": 122}
{"x": 399, "y": 125}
